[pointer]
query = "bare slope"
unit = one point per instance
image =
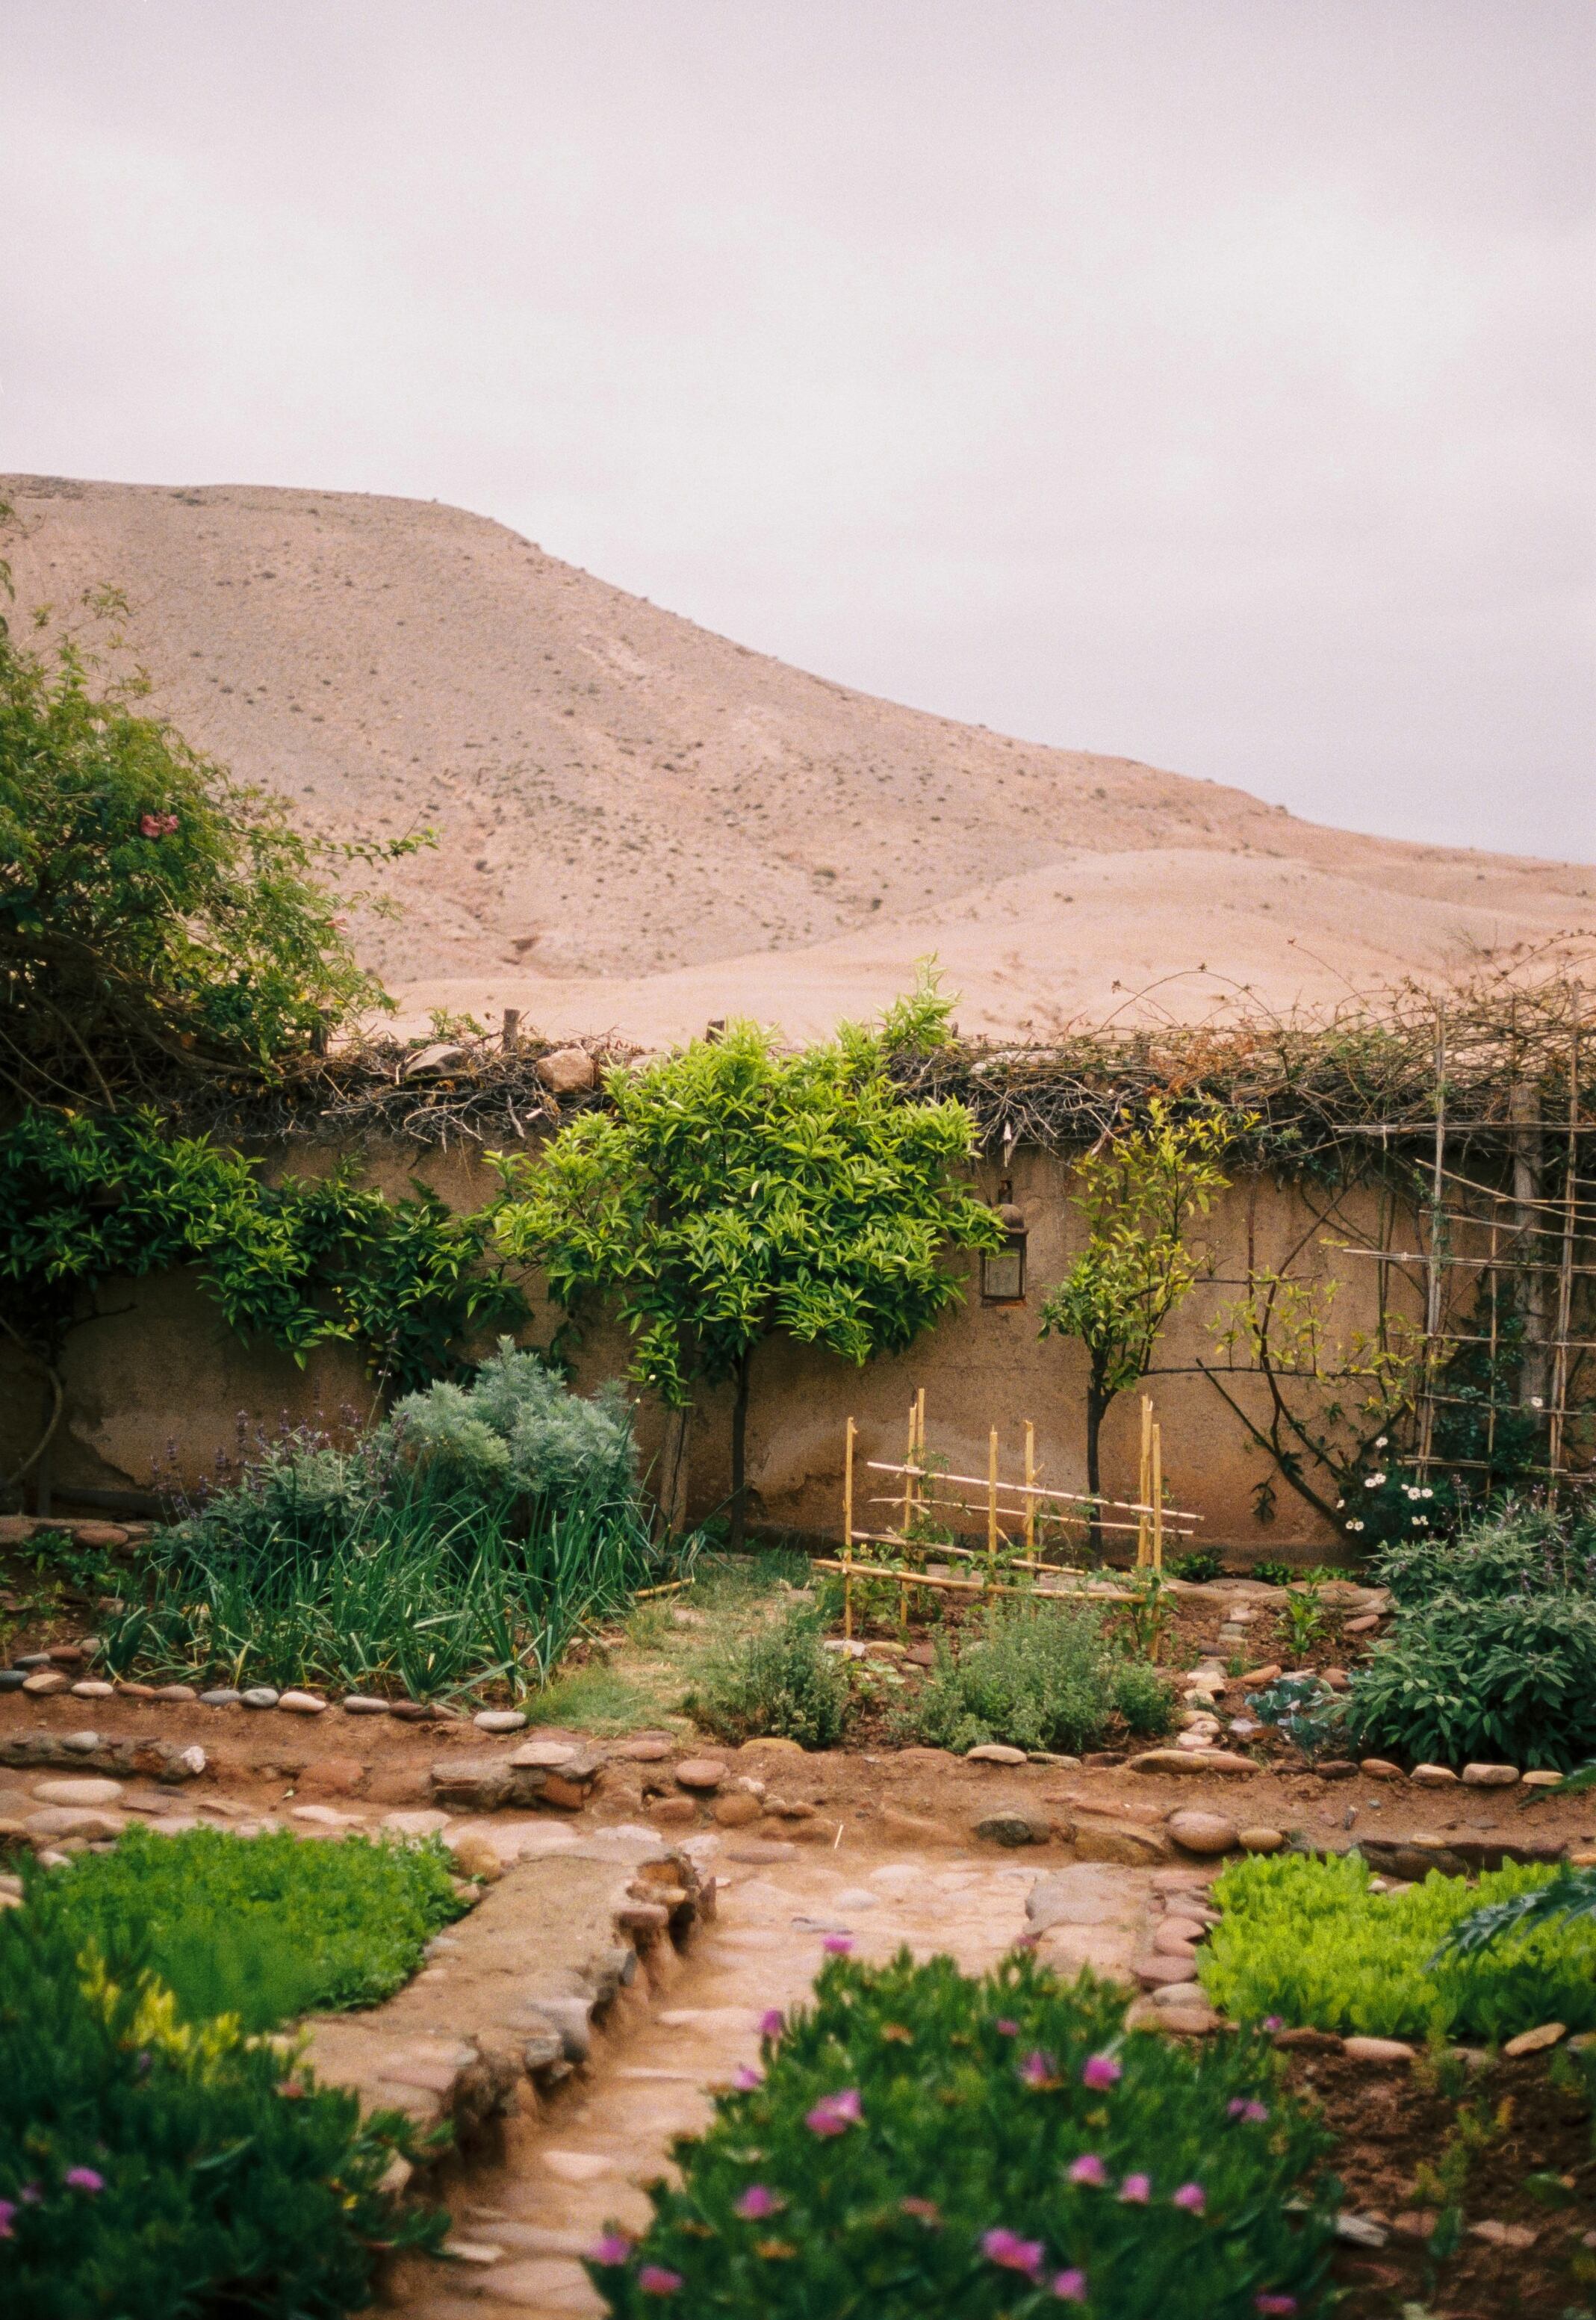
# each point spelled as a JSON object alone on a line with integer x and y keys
{"x": 642, "y": 823}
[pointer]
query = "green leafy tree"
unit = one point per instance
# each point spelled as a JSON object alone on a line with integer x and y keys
{"x": 158, "y": 919}
{"x": 1137, "y": 1191}
{"x": 731, "y": 1190}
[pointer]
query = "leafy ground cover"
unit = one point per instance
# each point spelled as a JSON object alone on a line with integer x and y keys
{"x": 266, "y": 1928}
{"x": 1306, "y": 1940}
{"x": 775, "y": 1681}
{"x": 162, "y": 2171}
{"x": 922, "y": 2142}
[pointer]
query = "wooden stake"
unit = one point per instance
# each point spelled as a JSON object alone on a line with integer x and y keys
{"x": 847, "y": 1532}
{"x": 1560, "y": 1362}
{"x": 1157, "y": 1495}
{"x": 1030, "y": 1477}
{"x": 1145, "y": 1479}
{"x": 991, "y": 1491}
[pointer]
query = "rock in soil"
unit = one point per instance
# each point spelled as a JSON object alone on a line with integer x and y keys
{"x": 1124, "y": 1842}
{"x": 1201, "y": 1832}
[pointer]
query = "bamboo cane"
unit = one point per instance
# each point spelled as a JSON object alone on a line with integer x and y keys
{"x": 991, "y": 1491}
{"x": 848, "y": 1534}
{"x": 1030, "y": 1477}
{"x": 1143, "y": 1483}
{"x": 1157, "y": 1498}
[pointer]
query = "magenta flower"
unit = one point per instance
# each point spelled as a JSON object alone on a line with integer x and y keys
{"x": 1087, "y": 2169}
{"x": 1009, "y": 2029}
{"x": 1192, "y": 2196}
{"x": 1137, "y": 2189}
{"x": 31, "y": 2194}
{"x": 1040, "y": 2070}
{"x": 838, "y": 1944}
{"x": 835, "y": 2114}
{"x": 1011, "y": 2252}
{"x": 613, "y": 2248}
{"x": 1277, "y": 2022}
{"x": 83, "y": 2178}
{"x": 7, "y": 2216}
{"x": 772, "y": 2022}
{"x": 654, "y": 2280}
{"x": 1070, "y": 2287}
{"x": 1254, "y": 2113}
{"x": 745, "y": 2080}
{"x": 1278, "y": 2307}
{"x": 1100, "y": 2071}
{"x": 759, "y": 2200}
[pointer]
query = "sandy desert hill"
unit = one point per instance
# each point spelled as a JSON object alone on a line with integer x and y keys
{"x": 642, "y": 825}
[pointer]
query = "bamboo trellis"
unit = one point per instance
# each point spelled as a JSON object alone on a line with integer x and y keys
{"x": 1010, "y": 1528}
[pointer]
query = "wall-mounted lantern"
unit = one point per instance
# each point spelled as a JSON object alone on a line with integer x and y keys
{"x": 1002, "y": 1272}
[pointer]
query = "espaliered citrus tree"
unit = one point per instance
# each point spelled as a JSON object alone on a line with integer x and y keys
{"x": 732, "y": 1191}
{"x": 1137, "y": 1191}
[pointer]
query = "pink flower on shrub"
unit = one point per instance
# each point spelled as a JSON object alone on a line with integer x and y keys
{"x": 1040, "y": 2070}
{"x": 1276, "y": 2021}
{"x": 612, "y": 2248}
{"x": 7, "y": 2216}
{"x": 1009, "y": 2029}
{"x": 759, "y": 2200}
{"x": 1011, "y": 2252}
{"x": 835, "y": 2114}
{"x": 1278, "y": 2307}
{"x": 1254, "y": 2113}
{"x": 772, "y": 2022}
{"x": 745, "y": 2080}
{"x": 83, "y": 2178}
{"x": 1192, "y": 2196}
{"x": 31, "y": 2194}
{"x": 838, "y": 1944}
{"x": 156, "y": 825}
{"x": 1070, "y": 2287}
{"x": 1100, "y": 2071}
{"x": 924, "y": 2211}
{"x": 1087, "y": 2169}
{"x": 654, "y": 2280}
{"x": 1137, "y": 2189}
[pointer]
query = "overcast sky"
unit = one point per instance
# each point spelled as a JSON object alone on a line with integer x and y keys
{"x": 1206, "y": 380}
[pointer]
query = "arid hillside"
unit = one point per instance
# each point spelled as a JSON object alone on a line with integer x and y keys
{"x": 642, "y": 824}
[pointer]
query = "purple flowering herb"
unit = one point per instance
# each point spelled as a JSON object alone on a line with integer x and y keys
{"x": 759, "y": 2200}
{"x": 838, "y": 1944}
{"x": 1070, "y": 2287}
{"x": 772, "y": 2022}
{"x": 1137, "y": 2189}
{"x": 1087, "y": 2169}
{"x": 1009, "y": 2029}
{"x": 611, "y": 2248}
{"x": 1192, "y": 2196}
{"x": 83, "y": 2178}
{"x": 1277, "y": 2308}
{"x": 835, "y": 2114}
{"x": 1254, "y": 2113}
{"x": 1011, "y": 2252}
{"x": 31, "y": 2194}
{"x": 1040, "y": 2070}
{"x": 745, "y": 2080}
{"x": 1277, "y": 2022}
{"x": 7, "y": 2217}
{"x": 1100, "y": 2071}
{"x": 656, "y": 2279}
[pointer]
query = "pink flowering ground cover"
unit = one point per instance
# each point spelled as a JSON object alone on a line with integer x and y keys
{"x": 919, "y": 2141}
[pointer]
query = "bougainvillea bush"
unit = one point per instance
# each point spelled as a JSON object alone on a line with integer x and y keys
{"x": 152, "y": 2169}
{"x": 919, "y": 2141}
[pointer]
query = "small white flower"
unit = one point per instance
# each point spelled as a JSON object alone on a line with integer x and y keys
{"x": 1535, "y": 1402}
{"x": 1354, "y": 1526}
{"x": 1340, "y": 1502}
{"x": 1372, "y": 1481}
{"x": 1427, "y": 1494}
{"x": 1420, "y": 1522}
{"x": 1381, "y": 1440}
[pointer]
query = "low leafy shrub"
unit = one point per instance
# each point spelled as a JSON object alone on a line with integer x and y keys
{"x": 1273, "y": 1575}
{"x": 149, "y": 2169}
{"x": 1304, "y": 1711}
{"x": 1389, "y": 1506}
{"x": 1308, "y": 1941}
{"x": 1520, "y": 1550}
{"x": 777, "y": 1683}
{"x": 264, "y": 1927}
{"x": 1199, "y": 1567}
{"x": 449, "y": 1549}
{"x": 924, "y": 2142}
{"x": 1042, "y": 1677}
{"x": 1509, "y": 1680}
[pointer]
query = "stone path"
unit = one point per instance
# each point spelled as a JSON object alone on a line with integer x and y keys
{"x": 520, "y": 2226}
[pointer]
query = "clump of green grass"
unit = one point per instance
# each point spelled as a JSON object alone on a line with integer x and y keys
{"x": 776, "y": 1683}
{"x": 1308, "y": 1941}
{"x": 265, "y": 1927}
{"x": 1043, "y": 1678}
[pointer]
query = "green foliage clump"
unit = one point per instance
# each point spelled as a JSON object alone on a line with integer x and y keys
{"x": 778, "y": 1682}
{"x": 1492, "y": 1653}
{"x": 158, "y": 919}
{"x": 1198, "y": 1567}
{"x": 1307, "y": 1940}
{"x": 265, "y": 1927}
{"x": 419, "y": 1560}
{"x": 731, "y": 1190}
{"x": 922, "y": 2142}
{"x": 150, "y": 2167}
{"x": 1042, "y": 1678}
{"x": 1272, "y": 1575}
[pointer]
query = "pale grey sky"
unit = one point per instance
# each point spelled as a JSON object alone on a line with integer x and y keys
{"x": 1209, "y": 381}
